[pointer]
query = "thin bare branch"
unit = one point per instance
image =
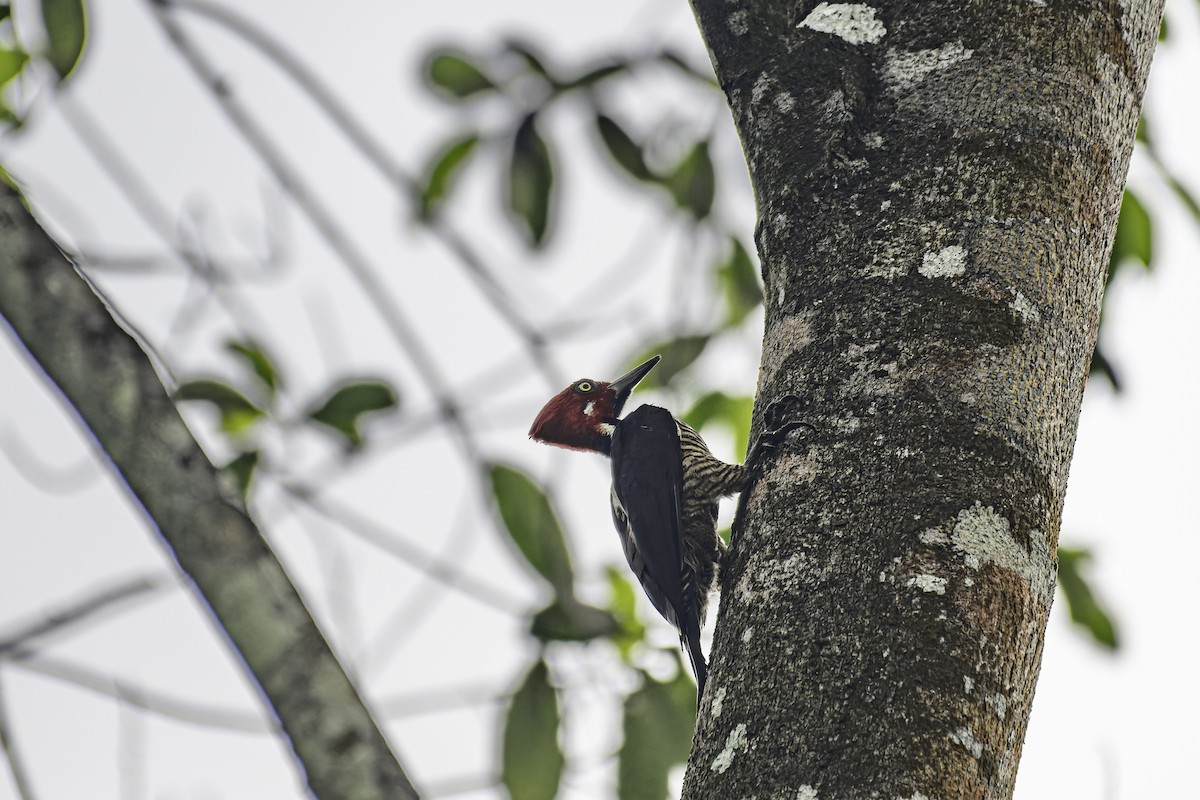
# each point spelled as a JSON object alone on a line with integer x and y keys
{"x": 16, "y": 766}
{"x": 46, "y": 477}
{"x": 432, "y": 565}
{"x": 93, "y": 604}
{"x": 180, "y": 709}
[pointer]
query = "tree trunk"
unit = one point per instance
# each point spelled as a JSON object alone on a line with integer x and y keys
{"x": 938, "y": 185}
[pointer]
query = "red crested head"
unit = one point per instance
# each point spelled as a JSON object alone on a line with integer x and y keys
{"x": 582, "y": 416}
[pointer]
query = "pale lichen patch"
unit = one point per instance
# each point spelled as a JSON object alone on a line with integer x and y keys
{"x": 789, "y": 334}
{"x": 718, "y": 702}
{"x": 759, "y": 91}
{"x": 933, "y": 536}
{"x": 928, "y": 583}
{"x": 967, "y": 740}
{"x": 795, "y": 468}
{"x": 747, "y": 635}
{"x": 785, "y": 102}
{"x": 806, "y": 792}
{"x": 739, "y": 22}
{"x": 968, "y": 683}
{"x": 737, "y": 740}
{"x": 915, "y": 796}
{"x": 997, "y": 703}
{"x": 766, "y": 576}
{"x": 1028, "y": 311}
{"x": 854, "y": 22}
{"x": 984, "y": 537}
{"x": 904, "y": 69}
{"x": 949, "y": 262}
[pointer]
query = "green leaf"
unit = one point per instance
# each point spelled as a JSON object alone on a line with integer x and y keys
{"x": 731, "y": 412}
{"x": 66, "y": 34}
{"x": 456, "y": 75}
{"x": 739, "y": 283}
{"x": 568, "y": 620}
{"x": 532, "y": 763}
{"x": 12, "y": 61}
{"x": 1084, "y": 608}
{"x": 532, "y": 59}
{"x": 1103, "y": 367}
{"x": 1133, "y": 240}
{"x": 237, "y": 411}
{"x": 345, "y": 406}
{"x": 1185, "y": 197}
{"x": 693, "y": 182}
{"x": 623, "y": 605}
{"x": 677, "y": 355}
{"x": 241, "y": 471}
{"x": 658, "y": 726}
{"x": 530, "y": 182}
{"x": 259, "y": 362}
{"x": 682, "y": 64}
{"x": 442, "y": 172}
{"x": 624, "y": 150}
{"x": 533, "y": 526}
{"x": 595, "y": 75}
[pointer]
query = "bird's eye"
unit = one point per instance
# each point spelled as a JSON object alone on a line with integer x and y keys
{"x": 584, "y": 386}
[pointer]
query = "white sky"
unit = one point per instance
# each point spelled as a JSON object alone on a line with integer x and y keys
{"x": 1102, "y": 727}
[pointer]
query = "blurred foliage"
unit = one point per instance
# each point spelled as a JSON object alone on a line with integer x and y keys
{"x": 243, "y": 405}
{"x": 732, "y": 413}
{"x": 525, "y": 84}
{"x": 533, "y": 527}
{"x": 1084, "y": 608}
{"x": 66, "y": 33}
{"x": 237, "y": 412}
{"x": 532, "y": 761}
{"x": 530, "y": 181}
{"x": 678, "y": 354}
{"x": 64, "y": 23}
{"x": 658, "y": 725}
{"x": 345, "y": 404}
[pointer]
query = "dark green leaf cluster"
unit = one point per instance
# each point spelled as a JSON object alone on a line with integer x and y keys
{"x": 658, "y": 726}
{"x": 1084, "y": 608}
{"x": 525, "y": 85}
{"x": 65, "y": 26}
{"x": 340, "y": 409}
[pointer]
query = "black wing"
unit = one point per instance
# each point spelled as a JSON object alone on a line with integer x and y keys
{"x": 647, "y": 466}
{"x": 647, "y": 503}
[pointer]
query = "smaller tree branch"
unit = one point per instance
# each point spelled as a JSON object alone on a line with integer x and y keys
{"x": 85, "y": 609}
{"x": 108, "y": 379}
{"x": 9, "y": 748}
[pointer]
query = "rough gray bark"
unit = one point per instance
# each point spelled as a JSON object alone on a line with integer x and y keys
{"x": 938, "y": 185}
{"x": 110, "y": 382}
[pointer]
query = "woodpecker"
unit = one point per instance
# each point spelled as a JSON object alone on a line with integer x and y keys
{"x": 666, "y": 484}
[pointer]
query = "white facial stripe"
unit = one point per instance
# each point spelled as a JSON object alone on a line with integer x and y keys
{"x": 588, "y": 408}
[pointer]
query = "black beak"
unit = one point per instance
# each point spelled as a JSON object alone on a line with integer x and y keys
{"x": 624, "y": 384}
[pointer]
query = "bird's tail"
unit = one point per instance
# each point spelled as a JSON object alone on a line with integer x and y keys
{"x": 690, "y": 639}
